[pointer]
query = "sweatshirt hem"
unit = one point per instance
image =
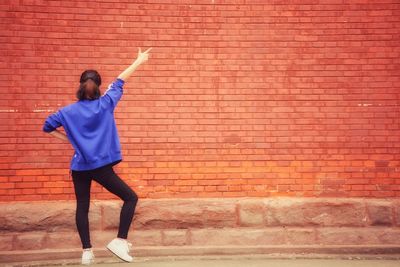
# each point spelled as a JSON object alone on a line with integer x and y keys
{"x": 97, "y": 164}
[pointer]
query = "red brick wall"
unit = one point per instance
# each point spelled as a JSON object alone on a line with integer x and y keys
{"x": 238, "y": 98}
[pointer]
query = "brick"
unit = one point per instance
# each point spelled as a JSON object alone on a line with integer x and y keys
{"x": 6, "y": 241}
{"x": 251, "y": 212}
{"x": 315, "y": 212}
{"x": 247, "y": 236}
{"x": 29, "y": 241}
{"x": 380, "y": 213}
{"x": 64, "y": 239}
{"x": 298, "y": 236}
{"x": 396, "y": 206}
{"x": 351, "y": 236}
{"x": 184, "y": 213}
{"x": 147, "y": 238}
{"x": 44, "y": 216}
{"x": 175, "y": 237}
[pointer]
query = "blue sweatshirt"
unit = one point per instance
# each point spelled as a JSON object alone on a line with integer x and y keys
{"x": 91, "y": 129}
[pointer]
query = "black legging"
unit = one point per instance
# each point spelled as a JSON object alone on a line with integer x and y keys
{"x": 105, "y": 176}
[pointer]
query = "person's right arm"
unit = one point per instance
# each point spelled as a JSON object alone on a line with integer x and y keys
{"x": 115, "y": 89}
{"x": 142, "y": 57}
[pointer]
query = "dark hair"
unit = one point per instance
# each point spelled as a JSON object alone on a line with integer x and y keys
{"x": 85, "y": 76}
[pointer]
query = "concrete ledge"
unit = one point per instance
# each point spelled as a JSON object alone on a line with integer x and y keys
{"x": 291, "y": 236}
{"x": 53, "y": 216}
{"x": 207, "y": 226}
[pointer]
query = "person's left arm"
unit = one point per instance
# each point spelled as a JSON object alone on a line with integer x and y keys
{"x": 53, "y": 121}
{"x": 58, "y": 134}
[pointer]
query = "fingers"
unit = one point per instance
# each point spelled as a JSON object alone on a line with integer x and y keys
{"x": 148, "y": 50}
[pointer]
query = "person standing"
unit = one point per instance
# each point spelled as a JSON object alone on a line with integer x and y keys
{"x": 90, "y": 127}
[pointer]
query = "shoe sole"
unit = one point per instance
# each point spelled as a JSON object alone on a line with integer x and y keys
{"x": 88, "y": 263}
{"x": 116, "y": 254}
{"x": 91, "y": 261}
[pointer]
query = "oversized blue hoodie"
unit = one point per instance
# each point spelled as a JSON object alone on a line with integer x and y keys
{"x": 91, "y": 129}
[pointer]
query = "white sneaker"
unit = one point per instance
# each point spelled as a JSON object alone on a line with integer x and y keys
{"x": 121, "y": 248}
{"x": 87, "y": 256}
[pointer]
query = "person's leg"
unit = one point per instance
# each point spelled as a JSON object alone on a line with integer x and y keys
{"x": 114, "y": 184}
{"x": 82, "y": 182}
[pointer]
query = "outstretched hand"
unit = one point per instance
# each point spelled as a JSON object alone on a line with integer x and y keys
{"x": 143, "y": 56}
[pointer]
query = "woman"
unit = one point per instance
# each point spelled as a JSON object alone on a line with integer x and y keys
{"x": 90, "y": 127}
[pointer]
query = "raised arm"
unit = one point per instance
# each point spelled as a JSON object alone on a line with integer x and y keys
{"x": 141, "y": 58}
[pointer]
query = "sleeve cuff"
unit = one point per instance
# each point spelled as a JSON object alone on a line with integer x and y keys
{"x": 46, "y": 128}
{"x": 120, "y": 81}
